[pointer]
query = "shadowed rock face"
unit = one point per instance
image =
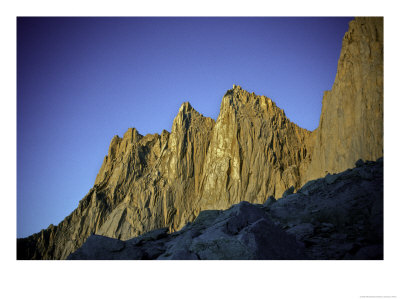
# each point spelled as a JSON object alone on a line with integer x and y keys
{"x": 339, "y": 216}
{"x": 251, "y": 152}
{"x": 336, "y": 217}
{"x": 242, "y": 232}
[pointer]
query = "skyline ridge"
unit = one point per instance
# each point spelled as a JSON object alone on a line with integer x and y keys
{"x": 85, "y": 83}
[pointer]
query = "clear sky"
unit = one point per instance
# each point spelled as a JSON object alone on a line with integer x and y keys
{"x": 80, "y": 81}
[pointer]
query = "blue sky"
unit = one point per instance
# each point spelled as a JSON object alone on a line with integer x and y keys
{"x": 80, "y": 81}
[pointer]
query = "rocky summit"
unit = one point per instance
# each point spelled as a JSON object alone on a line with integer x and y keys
{"x": 336, "y": 217}
{"x": 251, "y": 153}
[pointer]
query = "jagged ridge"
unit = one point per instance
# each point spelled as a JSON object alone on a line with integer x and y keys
{"x": 251, "y": 152}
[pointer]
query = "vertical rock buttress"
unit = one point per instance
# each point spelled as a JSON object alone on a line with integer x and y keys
{"x": 351, "y": 122}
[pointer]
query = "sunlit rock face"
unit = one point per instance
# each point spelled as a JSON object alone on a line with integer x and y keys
{"x": 351, "y": 122}
{"x": 255, "y": 151}
{"x": 252, "y": 151}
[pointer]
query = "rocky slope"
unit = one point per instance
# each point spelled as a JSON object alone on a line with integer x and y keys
{"x": 336, "y": 217}
{"x": 250, "y": 152}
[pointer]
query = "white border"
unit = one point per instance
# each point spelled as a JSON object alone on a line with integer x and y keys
{"x": 195, "y": 280}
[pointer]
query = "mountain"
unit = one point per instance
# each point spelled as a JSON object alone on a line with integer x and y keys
{"x": 252, "y": 151}
{"x": 336, "y": 217}
{"x": 351, "y": 122}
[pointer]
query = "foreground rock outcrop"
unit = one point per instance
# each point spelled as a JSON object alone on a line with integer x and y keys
{"x": 336, "y": 217}
{"x": 251, "y": 152}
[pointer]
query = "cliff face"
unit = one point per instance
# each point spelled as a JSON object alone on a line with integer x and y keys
{"x": 255, "y": 151}
{"x": 251, "y": 152}
{"x": 163, "y": 194}
{"x": 351, "y": 122}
